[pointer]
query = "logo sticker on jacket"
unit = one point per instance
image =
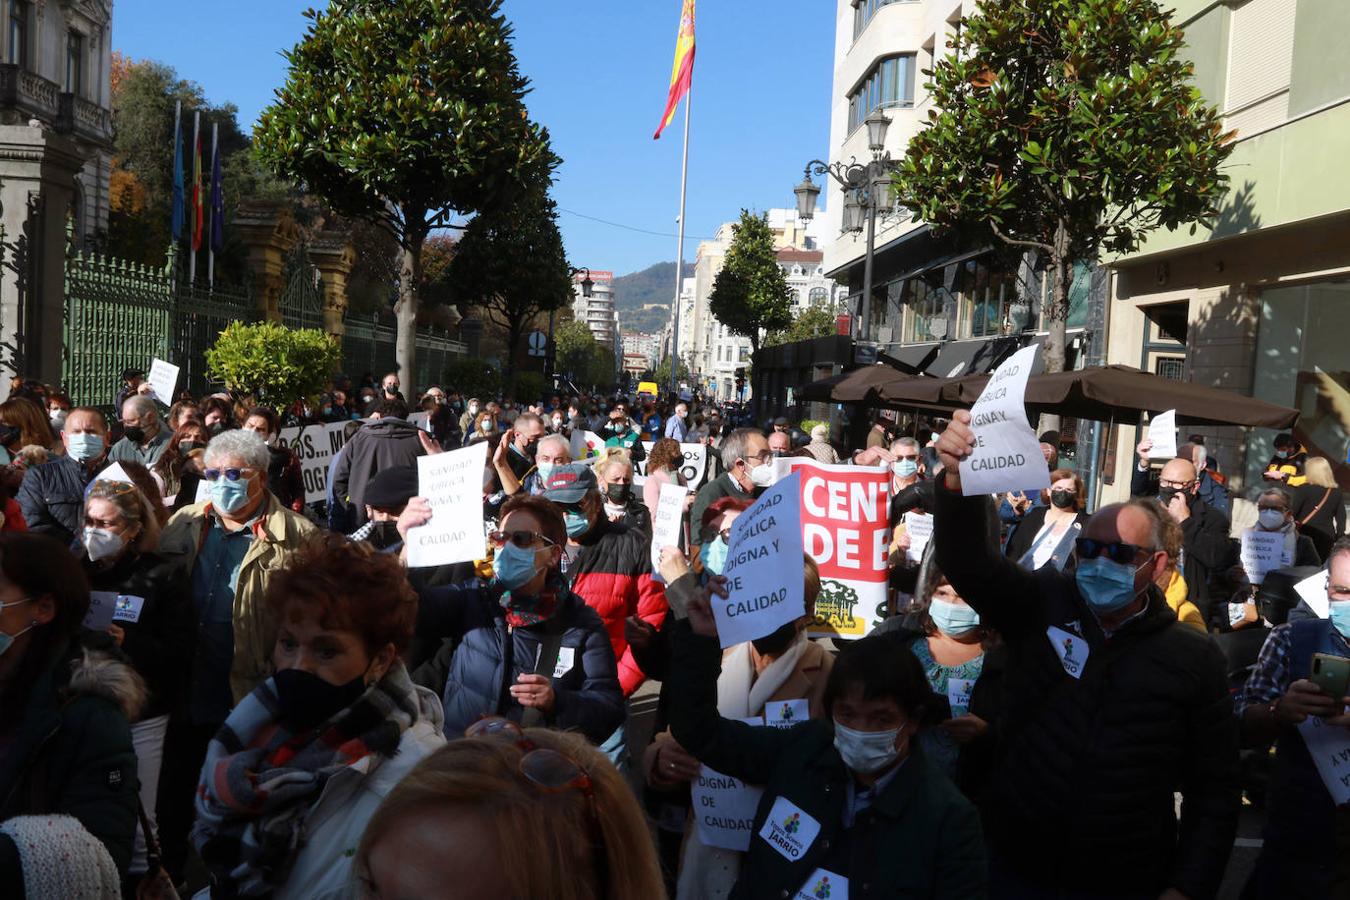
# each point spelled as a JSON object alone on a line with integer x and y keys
{"x": 958, "y": 694}
{"x": 128, "y": 608}
{"x": 786, "y": 713}
{"x": 1071, "y": 650}
{"x": 789, "y": 830}
{"x": 566, "y": 658}
{"x": 824, "y": 885}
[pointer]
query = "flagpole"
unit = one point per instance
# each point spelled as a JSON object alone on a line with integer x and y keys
{"x": 679, "y": 252}
{"x": 211, "y": 245}
{"x": 196, "y": 197}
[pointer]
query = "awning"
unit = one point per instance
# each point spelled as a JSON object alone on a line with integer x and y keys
{"x": 914, "y": 358}
{"x": 973, "y": 357}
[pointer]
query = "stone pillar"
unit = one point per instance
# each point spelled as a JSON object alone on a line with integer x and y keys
{"x": 37, "y": 176}
{"x": 332, "y": 254}
{"x": 268, "y": 230}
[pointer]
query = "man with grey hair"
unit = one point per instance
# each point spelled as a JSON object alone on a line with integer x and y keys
{"x": 144, "y": 435}
{"x": 746, "y": 472}
{"x": 229, "y": 545}
{"x": 553, "y": 450}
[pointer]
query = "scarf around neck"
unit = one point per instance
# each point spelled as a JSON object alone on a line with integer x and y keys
{"x": 523, "y": 611}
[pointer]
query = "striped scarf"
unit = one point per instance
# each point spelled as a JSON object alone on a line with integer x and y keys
{"x": 260, "y": 780}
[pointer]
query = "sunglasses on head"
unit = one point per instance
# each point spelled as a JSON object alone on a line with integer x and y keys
{"x": 522, "y": 538}
{"x": 108, "y": 488}
{"x": 230, "y": 474}
{"x": 1116, "y": 551}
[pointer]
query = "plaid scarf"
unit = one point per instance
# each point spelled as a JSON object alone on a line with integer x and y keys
{"x": 522, "y": 611}
{"x": 260, "y": 780}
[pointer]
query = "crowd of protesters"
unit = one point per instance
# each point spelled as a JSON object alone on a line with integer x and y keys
{"x": 1055, "y": 704}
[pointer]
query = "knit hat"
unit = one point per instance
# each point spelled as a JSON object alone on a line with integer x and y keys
{"x": 391, "y": 488}
{"x": 820, "y": 432}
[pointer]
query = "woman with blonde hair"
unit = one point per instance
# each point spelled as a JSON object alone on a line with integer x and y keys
{"x": 614, "y": 475}
{"x": 1319, "y": 505}
{"x": 510, "y": 812}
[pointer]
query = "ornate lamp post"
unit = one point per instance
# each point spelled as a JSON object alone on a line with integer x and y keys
{"x": 867, "y": 195}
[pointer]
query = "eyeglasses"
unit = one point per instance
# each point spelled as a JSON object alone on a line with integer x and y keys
{"x": 1116, "y": 551}
{"x": 521, "y": 538}
{"x": 1175, "y": 485}
{"x": 105, "y": 487}
{"x": 230, "y": 474}
{"x": 914, "y": 458}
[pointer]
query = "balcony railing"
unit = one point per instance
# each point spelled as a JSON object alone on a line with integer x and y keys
{"x": 40, "y": 98}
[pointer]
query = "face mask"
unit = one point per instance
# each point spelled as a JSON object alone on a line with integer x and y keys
{"x": 1282, "y": 454}
{"x": 58, "y": 417}
{"x": 545, "y": 469}
{"x": 1339, "y": 614}
{"x": 531, "y": 448}
{"x": 955, "y": 619}
{"x": 391, "y": 389}
{"x": 1106, "y": 585}
{"x": 904, "y": 468}
{"x": 577, "y": 523}
{"x": 514, "y": 567}
{"x": 1165, "y": 495}
{"x": 1062, "y": 499}
{"x": 619, "y": 493}
{"x": 215, "y": 428}
{"x": 715, "y": 555}
{"x": 488, "y": 425}
{"x": 304, "y": 700}
{"x": 1271, "y": 519}
{"x": 866, "y": 751}
{"x": 134, "y": 433}
{"x": 761, "y": 475}
{"x": 185, "y": 448}
{"x": 102, "y": 543}
{"x": 383, "y": 534}
{"x": 84, "y": 447}
{"x": 327, "y": 410}
{"x": 618, "y": 427}
{"x": 473, "y": 408}
{"x": 229, "y": 496}
{"x": 557, "y": 423}
{"x": 777, "y": 641}
{"x": 7, "y": 640}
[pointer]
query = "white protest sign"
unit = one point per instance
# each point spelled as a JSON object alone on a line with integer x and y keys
{"x": 163, "y": 379}
{"x": 1329, "y": 746}
{"x": 114, "y": 472}
{"x": 763, "y": 568}
{"x": 452, "y": 483}
{"x": 1262, "y": 552}
{"x": 585, "y": 444}
{"x": 724, "y": 807}
{"x": 315, "y": 446}
{"x": 919, "y": 527}
{"x": 203, "y": 491}
{"x": 1313, "y": 590}
{"x": 693, "y": 466}
{"x": 102, "y": 605}
{"x": 666, "y": 523}
{"x": 1162, "y": 431}
{"x": 1007, "y": 455}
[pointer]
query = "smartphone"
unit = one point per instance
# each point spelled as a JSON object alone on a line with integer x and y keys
{"x": 1331, "y": 674}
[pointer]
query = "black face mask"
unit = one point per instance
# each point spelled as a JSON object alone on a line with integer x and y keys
{"x": 619, "y": 493}
{"x": 776, "y": 641}
{"x": 384, "y": 534}
{"x": 1062, "y": 499}
{"x": 8, "y": 435}
{"x": 532, "y": 448}
{"x": 134, "y": 433}
{"x": 305, "y": 700}
{"x": 1165, "y": 495}
{"x": 216, "y": 427}
{"x": 185, "y": 448}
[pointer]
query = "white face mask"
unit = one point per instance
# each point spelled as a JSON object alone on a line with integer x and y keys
{"x": 866, "y": 751}
{"x": 1271, "y": 519}
{"x": 762, "y": 475}
{"x": 102, "y": 543}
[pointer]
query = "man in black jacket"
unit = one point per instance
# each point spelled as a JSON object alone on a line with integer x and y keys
{"x": 389, "y": 440}
{"x": 52, "y": 494}
{"x": 1110, "y": 707}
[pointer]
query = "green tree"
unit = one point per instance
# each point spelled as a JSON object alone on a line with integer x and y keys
{"x": 662, "y": 373}
{"x": 272, "y": 364}
{"x": 751, "y": 294}
{"x": 817, "y": 320}
{"x": 511, "y": 264}
{"x": 408, "y": 114}
{"x": 1066, "y": 128}
{"x": 574, "y": 349}
{"x": 473, "y": 377}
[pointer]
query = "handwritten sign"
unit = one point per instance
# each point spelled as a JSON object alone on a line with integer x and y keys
{"x": 919, "y": 527}
{"x": 763, "y": 568}
{"x": 1329, "y": 746}
{"x": 585, "y": 444}
{"x": 102, "y": 606}
{"x": 1007, "y": 455}
{"x": 666, "y": 523}
{"x": 452, "y": 483}
{"x": 315, "y": 446}
{"x": 724, "y": 807}
{"x": 1262, "y": 552}
{"x": 163, "y": 379}
{"x": 203, "y": 491}
{"x": 693, "y": 466}
{"x": 1162, "y": 431}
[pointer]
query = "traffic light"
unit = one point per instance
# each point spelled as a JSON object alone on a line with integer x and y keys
{"x": 740, "y": 380}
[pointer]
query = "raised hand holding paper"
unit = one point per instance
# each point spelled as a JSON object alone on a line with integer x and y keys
{"x": 1162, "y": 431}
{"x": 764, "y": 572}
{"x": 1007, "y": 455}
{"x": 452, "y": 484}
{"x": 666, "y": 523}
{"x": 163, "y": 379}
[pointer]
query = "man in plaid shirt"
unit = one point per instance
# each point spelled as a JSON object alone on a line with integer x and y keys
{"x": 1306, "y": 852}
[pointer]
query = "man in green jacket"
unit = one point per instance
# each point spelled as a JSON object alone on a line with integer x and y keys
{"x": 850, "y": 806}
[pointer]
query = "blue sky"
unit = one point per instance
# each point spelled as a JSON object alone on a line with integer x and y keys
{"x": 600, "y": 69}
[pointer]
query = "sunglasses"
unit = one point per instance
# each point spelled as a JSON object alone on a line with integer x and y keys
{"x": 108, "y": 488}
{"x": 230, "y": 474}
{"x": 1116, "y": 551}
{"x": 521, "y": 538}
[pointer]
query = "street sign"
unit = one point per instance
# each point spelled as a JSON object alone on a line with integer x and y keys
{"x": 538, "y": 342}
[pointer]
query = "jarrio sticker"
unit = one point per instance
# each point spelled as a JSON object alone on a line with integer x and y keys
{"x": 789, "y": 830}
{"x": 1071, "y": 650}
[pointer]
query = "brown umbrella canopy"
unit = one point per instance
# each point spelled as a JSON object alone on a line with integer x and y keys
{"x": 1124, "y": 393}
{"x": 859, "y": 386}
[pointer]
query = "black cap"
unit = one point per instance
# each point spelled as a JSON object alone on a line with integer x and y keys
{"x": 132, "y": 373}
{"x": 392, "y": 488}
{"x": 1051, "y": 438}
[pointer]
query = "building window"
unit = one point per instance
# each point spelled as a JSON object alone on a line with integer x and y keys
{"x": 864, "y": 10}
{"x": 18, "y": 33}
{"x": 75, "y": 63}
{"x": 992, "y": 304}
{"x": 820, "y": 297}
{"x": 744, "y": 355}
{"x": 889, "y": 84}
{"x": 925, "y": 307}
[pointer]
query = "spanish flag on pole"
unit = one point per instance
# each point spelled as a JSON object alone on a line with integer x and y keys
{"x": 682, "y": 73}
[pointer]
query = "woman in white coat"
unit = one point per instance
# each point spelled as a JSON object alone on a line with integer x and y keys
{"x": 301, "y": 763}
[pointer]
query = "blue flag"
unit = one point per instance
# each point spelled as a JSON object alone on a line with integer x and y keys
{"x": 217, "y": 202}
{"x": 177, "y": 227}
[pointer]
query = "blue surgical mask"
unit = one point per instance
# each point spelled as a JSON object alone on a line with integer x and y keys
{"x": 544, "y": 469}
{"x": 577, "y": 523}
{"x": 955, "y": 619}
{"x": 84, "y": 447}
{"x": 7, "y": 640}
{"x": 1106, "y": 585}
{"x": 1338, "y": 611}
{"x": 513, "y": 566}
{"x": 229, "y": 496}
{"x": 904, "y": 468}
{"x": 715, "y": 555}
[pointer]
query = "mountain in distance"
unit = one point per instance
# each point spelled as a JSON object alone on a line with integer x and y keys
{"x": 643, "y": 298}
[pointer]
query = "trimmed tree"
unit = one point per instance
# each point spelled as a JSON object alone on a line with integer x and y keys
{"x": 750, "y": 294}
{"x": 407, "y": 114}
{"x": 274, "y": 365}
{"x": 1066, "y": 128}
{"x": 816, "y": 321}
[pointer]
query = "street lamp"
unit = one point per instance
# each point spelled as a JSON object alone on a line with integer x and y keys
{"x": 867, "y": 195}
